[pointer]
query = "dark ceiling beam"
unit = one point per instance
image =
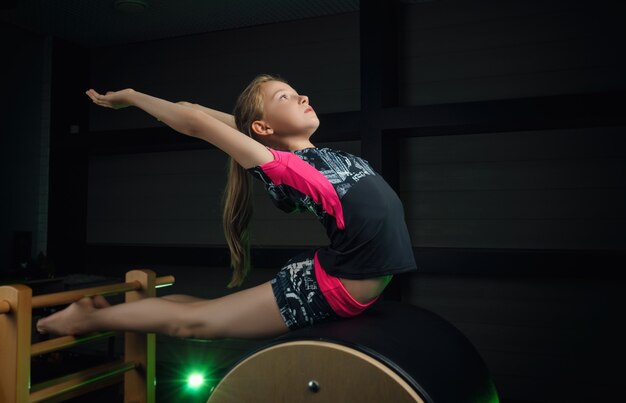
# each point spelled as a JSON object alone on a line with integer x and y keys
{"x": 535, "y": 113}
{"x": 342, "y": 126}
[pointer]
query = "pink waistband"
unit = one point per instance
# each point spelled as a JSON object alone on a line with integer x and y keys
{"x": 336, "y": 294}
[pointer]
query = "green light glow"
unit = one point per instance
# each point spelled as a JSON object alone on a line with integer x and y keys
{"x": 188, "y": 373}
{"x": 194, "y": 381}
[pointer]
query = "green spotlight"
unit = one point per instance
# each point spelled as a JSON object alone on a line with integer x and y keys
{"x": 194, "y": 381}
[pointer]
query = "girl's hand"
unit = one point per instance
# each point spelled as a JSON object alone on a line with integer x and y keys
{"x": 112, "y": 99}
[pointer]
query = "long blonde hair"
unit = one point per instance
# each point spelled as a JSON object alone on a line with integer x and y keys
{"x": 238, "y": 192}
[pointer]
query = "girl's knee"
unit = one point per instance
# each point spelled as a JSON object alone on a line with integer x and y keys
{"x": 196, "y": 322}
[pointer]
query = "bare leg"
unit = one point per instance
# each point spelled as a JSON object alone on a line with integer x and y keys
{"x": 251, "y": 313}
{"x": 182, "y": 298}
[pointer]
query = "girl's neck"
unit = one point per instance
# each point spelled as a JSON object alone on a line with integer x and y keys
{"x": 294, "y": 145}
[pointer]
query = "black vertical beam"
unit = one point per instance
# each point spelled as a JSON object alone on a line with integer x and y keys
{"x": 379, "y": 74}
{"x": 67, "y": 203}
{"x": 379, "y": 90}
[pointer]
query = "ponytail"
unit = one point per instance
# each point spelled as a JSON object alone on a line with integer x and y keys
{"x": 236, "y": 219}
{"x": 238, "y": 192}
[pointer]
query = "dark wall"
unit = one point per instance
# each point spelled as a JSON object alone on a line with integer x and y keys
{"x": 494, "y": 193}
{"x": 545, "y": 188}
{"x": 24, "y": 100}
{"x": 550, "y": 189}
{"x": 540, "y": 188}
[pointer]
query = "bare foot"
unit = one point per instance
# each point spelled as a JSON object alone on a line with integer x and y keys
{"x": 70, "y": 320}
{"x": 100, "y": 302}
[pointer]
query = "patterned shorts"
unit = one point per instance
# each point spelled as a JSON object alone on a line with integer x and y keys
{"x": 298, "y": 295}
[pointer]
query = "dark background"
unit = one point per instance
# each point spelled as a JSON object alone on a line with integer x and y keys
{"x": 500, "y": 124}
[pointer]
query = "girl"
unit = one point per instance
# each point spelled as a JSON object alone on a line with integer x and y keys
{"x": 269, "y": 138}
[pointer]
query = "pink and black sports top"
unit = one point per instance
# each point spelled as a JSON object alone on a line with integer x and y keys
{"x": 362, "y": 214}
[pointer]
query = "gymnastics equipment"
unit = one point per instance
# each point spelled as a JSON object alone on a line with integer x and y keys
{"x": 136, "y": 369}
{"x": 393, "y": 352}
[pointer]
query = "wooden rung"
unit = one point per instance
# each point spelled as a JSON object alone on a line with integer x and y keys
{"x": 67, "y": 297}
{"x": 5, "y": 307}
{"x": 60, "y": 343}
{"x": 80, "y": 382}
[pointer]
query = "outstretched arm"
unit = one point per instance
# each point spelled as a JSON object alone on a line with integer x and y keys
{"x": 219, "y": 115}
{"x": 192, "y": 122}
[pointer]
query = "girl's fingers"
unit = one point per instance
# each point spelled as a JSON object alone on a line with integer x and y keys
{"x": 100, "y": 99}
{"x": 92, "y": 94}
{"x": 96, "y": 98}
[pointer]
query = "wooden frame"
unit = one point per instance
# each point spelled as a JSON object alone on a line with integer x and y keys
{"x": 137, "y": 369}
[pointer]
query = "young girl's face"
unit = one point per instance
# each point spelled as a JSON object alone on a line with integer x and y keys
{"x": 286, "y": 112}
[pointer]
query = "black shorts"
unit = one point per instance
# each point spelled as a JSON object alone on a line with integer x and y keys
{"x": 298, "y": 295}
